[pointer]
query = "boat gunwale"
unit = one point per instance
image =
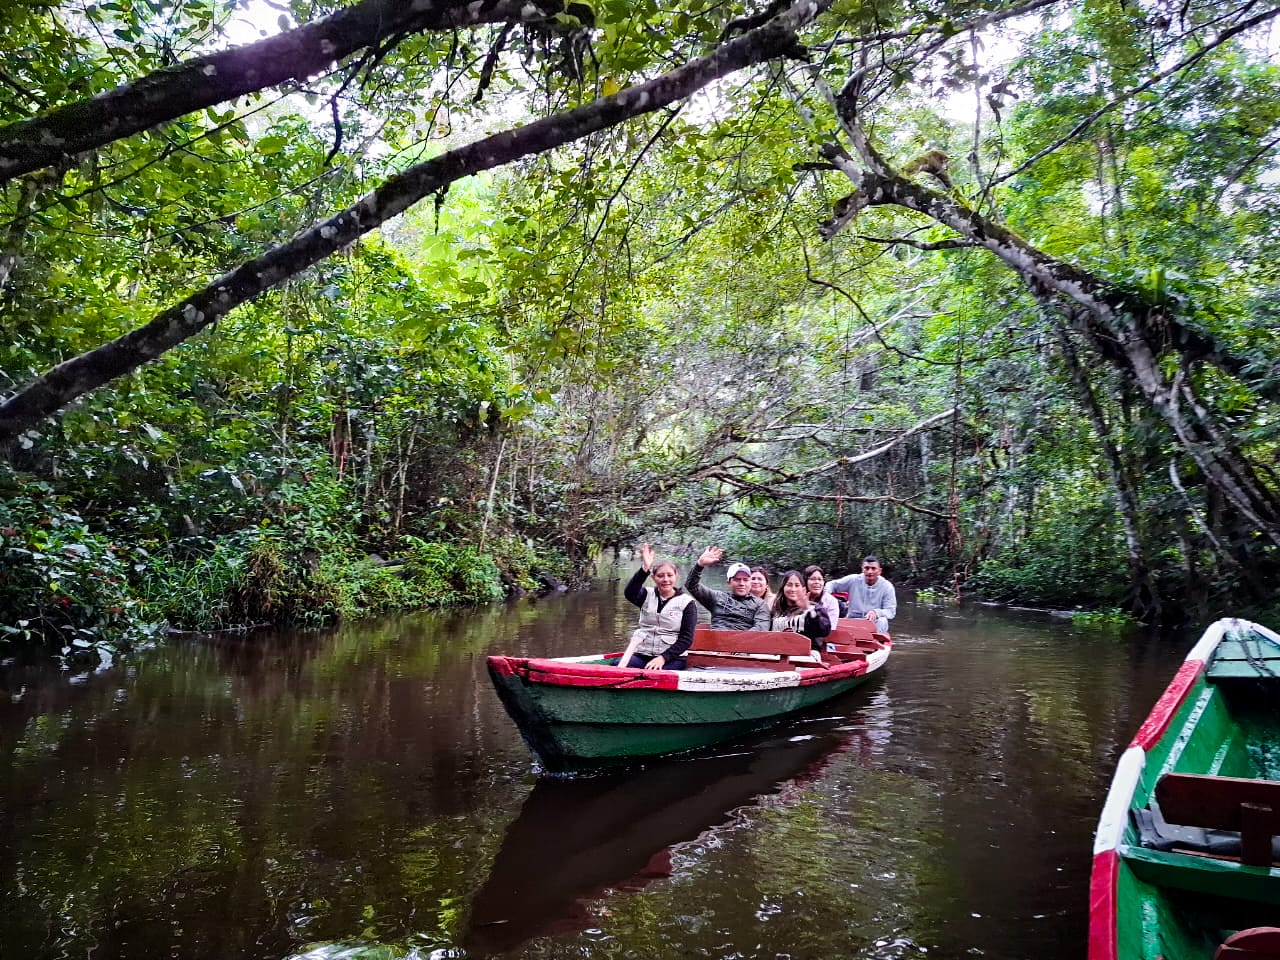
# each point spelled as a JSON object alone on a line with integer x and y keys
{"x": 588, "y": 673}
{"x": 1103, "y": 938}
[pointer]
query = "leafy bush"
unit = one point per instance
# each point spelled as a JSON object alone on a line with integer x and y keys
{"x": 61, "y": 584}
{"x": 447, "y": 573}
{"x": 523, "y": 562}
{"x": 1111, "y": 618}
{"x": 347, "y": 588}
{"x": 1051, "y": 576}
{"x": 204, "y": 584}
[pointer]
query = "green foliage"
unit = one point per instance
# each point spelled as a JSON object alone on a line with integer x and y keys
{"x": 60, "y": 583}
{"x": 936, "y": 596}
{"x": 449, "y": 573}
{"x": 1074, "y": 556}
{"x": 635, "y": 334}
{"x": 1109, "y": 618}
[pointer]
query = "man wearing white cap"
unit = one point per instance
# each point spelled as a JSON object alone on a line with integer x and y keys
{"x": 735, "y": 610}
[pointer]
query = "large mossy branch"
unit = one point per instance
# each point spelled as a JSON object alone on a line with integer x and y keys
{"x": 62, "y": 384}
{"x": 215, "y": 78}
{"x": 1129, "y": 333}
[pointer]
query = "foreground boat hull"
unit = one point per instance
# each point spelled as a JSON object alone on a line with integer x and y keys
{"x": 1152, "y": 896}
{"x": 584, "y": 713}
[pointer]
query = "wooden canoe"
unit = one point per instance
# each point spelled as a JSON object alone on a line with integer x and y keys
{"x": 1185, "y": 857}
{"x": 582, "y": 712}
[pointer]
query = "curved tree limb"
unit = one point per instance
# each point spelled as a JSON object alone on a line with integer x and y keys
{"x": 1125, "y": 328}
{"x": 60, "y": 385}
{"x": 215, "y": 78}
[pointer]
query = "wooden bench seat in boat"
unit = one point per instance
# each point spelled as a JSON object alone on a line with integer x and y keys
{"x": 1190, "y": 838}
{"x": 1256, "y": 943}
{"x": 851, "y": 639}
{"x": 747, "y": 648}
{"x": 1241, "y": 804}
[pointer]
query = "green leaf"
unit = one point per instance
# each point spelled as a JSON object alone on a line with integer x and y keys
{"x": 271, "y": 144}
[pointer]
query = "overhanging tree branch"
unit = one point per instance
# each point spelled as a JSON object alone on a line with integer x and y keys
{"x": 1129, "y": 331}
{"x": 1126, "y": 95}
{"x": 218, "y": 77}
{"x": 60, "y": 385}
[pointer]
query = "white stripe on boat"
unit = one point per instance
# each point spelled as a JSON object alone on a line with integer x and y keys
{"x": 1115, "y": 812}
{"x": 1213, "y": 635}
{"x": 724, "y": 678}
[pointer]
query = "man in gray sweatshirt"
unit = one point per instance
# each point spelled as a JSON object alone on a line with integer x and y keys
{"x": 871, "y": 596}
{"x": 735, "y": 610}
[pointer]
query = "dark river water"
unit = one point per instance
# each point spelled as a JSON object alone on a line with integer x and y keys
{"x": 361, "y": 794}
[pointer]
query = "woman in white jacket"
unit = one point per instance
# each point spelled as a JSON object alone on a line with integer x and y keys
{"x": 793, "y": 611}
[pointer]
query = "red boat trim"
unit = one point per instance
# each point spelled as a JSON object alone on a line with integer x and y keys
{"x": 1103, "y": 893}
{"x": 1161, "y": 715}
{"x": 561, "y": 674}
{"x": 816, "y": 675}
{"x": 502, "y": 666}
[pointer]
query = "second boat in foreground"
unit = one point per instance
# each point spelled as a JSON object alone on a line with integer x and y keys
{"x": 1185, "y": 861}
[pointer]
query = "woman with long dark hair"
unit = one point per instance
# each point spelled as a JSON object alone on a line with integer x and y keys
{"x": 793, "y": 611}
{"x": 815, "y": 579}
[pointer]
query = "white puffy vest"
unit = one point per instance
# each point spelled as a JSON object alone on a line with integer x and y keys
{"x": 659, "y": 628}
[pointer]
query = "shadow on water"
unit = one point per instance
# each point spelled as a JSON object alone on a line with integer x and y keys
{"x": 612, "y": 834}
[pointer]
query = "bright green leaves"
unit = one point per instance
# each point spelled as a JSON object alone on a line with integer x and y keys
{"x": 270, "y": 144}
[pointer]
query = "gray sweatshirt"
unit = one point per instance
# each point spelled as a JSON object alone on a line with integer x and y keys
{"x": 881, "y": 598}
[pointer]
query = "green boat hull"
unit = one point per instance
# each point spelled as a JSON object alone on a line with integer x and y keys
{"x": 573, "y": 727}
{"x": 1220, "y": 717}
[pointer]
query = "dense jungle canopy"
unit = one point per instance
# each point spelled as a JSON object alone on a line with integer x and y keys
{"x": 314, "y": 309}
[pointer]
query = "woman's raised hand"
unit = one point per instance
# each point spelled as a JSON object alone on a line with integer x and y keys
{"x": 646, "y": 557}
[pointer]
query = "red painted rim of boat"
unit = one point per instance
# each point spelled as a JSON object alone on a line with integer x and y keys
{"x": 560, "y": 674}
{"x": 1103, "y": 892}
{"x": 502, "y": 666}
{"x": 570, "y": 674}
{"x": 1161, "y": 715}
{"x": 816, "y": 675}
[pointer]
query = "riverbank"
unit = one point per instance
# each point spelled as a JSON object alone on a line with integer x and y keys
{"x": 85, "y": 596}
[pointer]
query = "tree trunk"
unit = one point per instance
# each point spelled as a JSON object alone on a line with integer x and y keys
{"x": 1143, "y": 597}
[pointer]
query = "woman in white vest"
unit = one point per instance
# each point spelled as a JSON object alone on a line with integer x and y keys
{"x": 668, "y": 617}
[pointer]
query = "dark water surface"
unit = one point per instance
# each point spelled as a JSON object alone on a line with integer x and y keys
{"x": 362, "y": 794}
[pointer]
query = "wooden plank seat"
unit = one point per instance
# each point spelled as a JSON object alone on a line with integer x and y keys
{"x": 1251, "y": 807}
{"x": 747, "y": 648}
{"x": 1256, "y": 943}
{"x": 851, "y": 640}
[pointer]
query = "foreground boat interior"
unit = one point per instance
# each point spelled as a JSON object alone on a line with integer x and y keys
{"x": 1186, "y": 862}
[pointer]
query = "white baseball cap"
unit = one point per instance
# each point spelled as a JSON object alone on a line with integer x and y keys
{"x": 735, "y": 569}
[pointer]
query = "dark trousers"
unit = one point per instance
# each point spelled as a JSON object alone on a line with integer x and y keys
{"x": 639, "y": 660}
